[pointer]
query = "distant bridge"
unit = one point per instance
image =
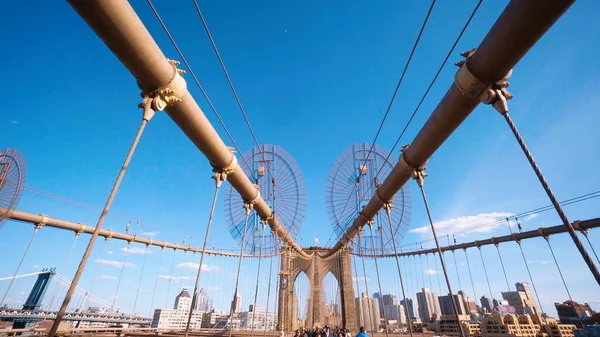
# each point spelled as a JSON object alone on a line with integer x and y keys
{"x": 34, "y": 316}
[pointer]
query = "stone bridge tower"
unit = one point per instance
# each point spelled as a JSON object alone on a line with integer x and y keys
{"x": 315, "y": 267}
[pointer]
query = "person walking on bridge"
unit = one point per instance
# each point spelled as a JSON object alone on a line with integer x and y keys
{"x": 362, "y": 332}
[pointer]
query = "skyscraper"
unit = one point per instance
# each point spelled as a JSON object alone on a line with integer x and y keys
{"x": 367, "y": 312}
{"x": 447, "y": 308}
{"x": 203, "y": 302}
{"x": 428, "y": 305}
{"x": 486, "y": 304}
{"x": 410, "y": 306}
{"x": 379, "y": 301}
{"x": 183, "y": 301}
{"x": 236, "y": 304}
{"x": 522, "y": 299}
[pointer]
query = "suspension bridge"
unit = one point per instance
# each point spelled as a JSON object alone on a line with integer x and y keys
{"x": 364, "y": 276}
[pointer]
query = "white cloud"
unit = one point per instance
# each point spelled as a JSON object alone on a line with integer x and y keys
{"x": 530, "y": 216}
{"x": 116, "y": 264}
{"x": 114, "y": 297}
{"x": 36, "y": 266}
{"x": 109, "y": 252}
{"x": 360, "y": 278}
{"x": 430, "y": 272}
{"x": 107, "y": 277}
{"x": 466, "y": 224}
{"x": 136, "y": 250}
{"x": 149, "y": 233}
{"x": 174, "y": 278}
{"x": 194, "y": 266}
{"x": 543, "y": 262}
{"x": 13, "y": 122}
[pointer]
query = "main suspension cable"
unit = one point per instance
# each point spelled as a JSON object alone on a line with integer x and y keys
{"x": 187, "y": 65}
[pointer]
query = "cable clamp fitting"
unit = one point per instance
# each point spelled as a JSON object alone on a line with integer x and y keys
{"x": 469, "y": 85}
{"x": 544, "y": 235}
{"x": 169, "y": 94}
{"x": 42, "y": 223}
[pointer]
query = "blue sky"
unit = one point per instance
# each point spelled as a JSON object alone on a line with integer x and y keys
{"x": 314, "y": 78}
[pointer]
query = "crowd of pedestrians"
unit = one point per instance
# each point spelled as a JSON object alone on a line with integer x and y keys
{"x": 327, "y": 332}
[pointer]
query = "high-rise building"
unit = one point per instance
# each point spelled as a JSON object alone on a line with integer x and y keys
{"x": 236, "y": 304}
{"x": 394, "y": 312}
{"x": 176, "y": 318}
{"x": 410, "y": 306}
{"x": 428, "y": 305}
{"x": 379, "y": 301}
{"x": 522, "y": 299}
{"x": 367, "y": 312}
{"x": 389, "y": 299}
{"x": 203, "y": 302}
{"x": 486, "y": 304}
{"x": 447, "y": 308}
{"x": 571, "y": 312}
{"x": 183, "y": 301}
{"x": 391, "y": 309}
{"x": 468, "y": 303}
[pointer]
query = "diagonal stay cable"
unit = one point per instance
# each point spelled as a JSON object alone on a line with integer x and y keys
{"x": 237, "y": 98}
{"x": 412, "y": 52}
{"x": 458, "y": 38}
{"x": 389, "y": 107}
{"x": 212, "y": 107}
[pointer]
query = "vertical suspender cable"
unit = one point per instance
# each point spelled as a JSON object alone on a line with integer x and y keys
{"x": 35, "y": 230}
{"x": 137, "y": 293}
{"x": 585, "y": 233}
{"x": 456, "y": 264}
{"x": 586, "y": 257}
{"x": 90, "y": 292}
{"x": 429, "y": 271}
{"x": 419, "y": 176}
{"x": 148, "y": 114}
{"x": 437, "y": 272}
{"x": 526, "y": 266}
{"x": 502, "y": 264}
{"x": 385, "y": 322}
{"x": 388, "y": 210}
{"x": 470, "y": 274}
{"x": 485, "y": 272}
{"x": 64, "y": 269}
{"x": 558, "y": 268}
{"x": 269, "y": 289}
{"x": 360, "y": 246}
{"x": 219, "y": 177}
{"x": 264, "y": 224}
{"x": 248, "y": 207}
{"x": 120, "y": 276}
{"x": 170, "y": 279}
{"x": 156, "y": 281}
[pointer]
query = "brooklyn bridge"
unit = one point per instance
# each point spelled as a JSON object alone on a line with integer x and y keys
{"x": 174, "y": 254}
